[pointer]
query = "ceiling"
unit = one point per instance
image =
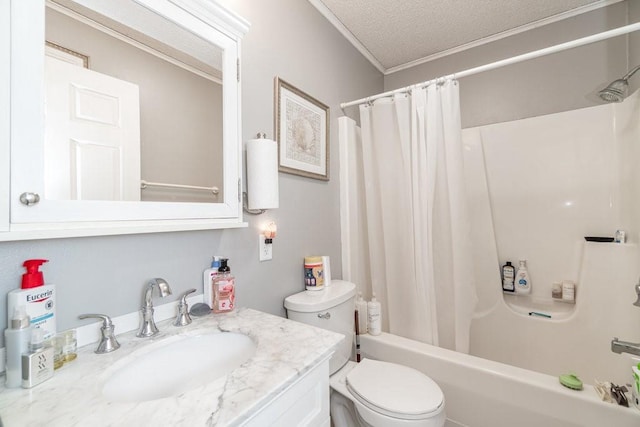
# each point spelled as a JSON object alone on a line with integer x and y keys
{"x": 397, "y": 34}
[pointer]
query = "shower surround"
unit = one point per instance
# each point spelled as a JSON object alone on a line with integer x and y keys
{"x": 536, "y": 187}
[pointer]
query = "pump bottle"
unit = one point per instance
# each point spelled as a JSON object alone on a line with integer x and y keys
{"x": 523, "y": 281}
{"x": 37, "y": 298}
{"x": 224, "y": 293}
{"x": 207, "y": 280}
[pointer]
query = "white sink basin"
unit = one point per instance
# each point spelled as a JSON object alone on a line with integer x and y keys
{"x": 177, "y": 367}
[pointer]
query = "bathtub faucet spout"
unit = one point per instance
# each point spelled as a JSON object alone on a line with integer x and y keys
{"x": 619, "y": 347}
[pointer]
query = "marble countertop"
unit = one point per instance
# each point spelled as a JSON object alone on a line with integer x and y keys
{"x": 285, "y": 351}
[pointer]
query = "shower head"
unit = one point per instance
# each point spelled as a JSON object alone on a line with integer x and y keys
{"x": 617, "y": 90}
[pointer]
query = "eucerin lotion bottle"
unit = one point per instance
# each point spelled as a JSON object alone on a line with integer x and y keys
{"x": 37, "y": 298}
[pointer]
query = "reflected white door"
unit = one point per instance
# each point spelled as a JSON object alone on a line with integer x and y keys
{"x": 92, "y": 142}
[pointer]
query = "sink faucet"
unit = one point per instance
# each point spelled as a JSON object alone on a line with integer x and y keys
{"x": 618, "y": 346}
{"x": 148, "y": 327}
{"x": 108, "y": 341}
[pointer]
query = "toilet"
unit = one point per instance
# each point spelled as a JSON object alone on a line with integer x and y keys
{"x": 372, "y": 392}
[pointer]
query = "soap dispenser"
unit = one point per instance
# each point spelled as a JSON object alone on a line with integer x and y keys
{"x": 523, "y": 281}
{"x": 224, "y": 293}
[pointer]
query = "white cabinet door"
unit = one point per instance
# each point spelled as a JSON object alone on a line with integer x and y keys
{"x": 304, "y": 403}
{"x": 92, "y": 142}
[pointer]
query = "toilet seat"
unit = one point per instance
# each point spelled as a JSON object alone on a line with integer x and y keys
{"x": 394, "y": 390}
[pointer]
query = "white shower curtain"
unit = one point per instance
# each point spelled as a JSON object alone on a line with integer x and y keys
{"x": 406, "y": 232}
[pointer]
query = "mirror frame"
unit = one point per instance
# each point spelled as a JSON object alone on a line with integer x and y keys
{"x": 22, "y": 120}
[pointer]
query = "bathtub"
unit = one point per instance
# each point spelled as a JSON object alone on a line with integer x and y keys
{"x": 484, "y": 393}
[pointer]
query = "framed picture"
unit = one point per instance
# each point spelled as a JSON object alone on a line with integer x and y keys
{"x": 302, "y": 132}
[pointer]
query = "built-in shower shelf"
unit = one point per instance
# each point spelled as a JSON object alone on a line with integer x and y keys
{"x": 542, "y": 308}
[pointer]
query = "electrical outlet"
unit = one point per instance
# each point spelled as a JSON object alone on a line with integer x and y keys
{"x": 266, "y": 250}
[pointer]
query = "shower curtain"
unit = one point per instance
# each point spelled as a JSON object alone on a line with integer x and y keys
{"x": 405, "y": 227}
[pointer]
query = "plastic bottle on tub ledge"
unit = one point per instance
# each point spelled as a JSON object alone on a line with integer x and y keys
{"x": 508, "y": 277}
{"x": 523, "y": 281}
{"x": 374, "y": 314}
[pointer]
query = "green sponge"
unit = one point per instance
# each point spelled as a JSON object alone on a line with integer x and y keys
{"x": 571, "y": 381}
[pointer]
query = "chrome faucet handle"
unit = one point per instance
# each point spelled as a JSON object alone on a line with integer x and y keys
{"x": 183, "y": 318}
{"x": 637, "y": 303}
{"x": 108, "y": 341}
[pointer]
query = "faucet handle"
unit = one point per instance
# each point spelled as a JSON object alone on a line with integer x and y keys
{"x": 637, "y": 303}
{"x": 183, "y": 318}
{"x": 108, "y": 341}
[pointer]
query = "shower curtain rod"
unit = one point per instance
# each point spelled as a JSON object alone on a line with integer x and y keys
{"x": 513, "y": 60}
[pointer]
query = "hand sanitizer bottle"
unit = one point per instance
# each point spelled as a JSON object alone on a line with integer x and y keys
{"x": 523, "y": 281}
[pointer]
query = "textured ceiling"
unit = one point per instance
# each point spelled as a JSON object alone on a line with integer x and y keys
{"x": 398, "y": 32}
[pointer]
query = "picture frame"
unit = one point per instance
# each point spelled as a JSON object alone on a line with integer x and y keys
{"x": 301, "y": 131}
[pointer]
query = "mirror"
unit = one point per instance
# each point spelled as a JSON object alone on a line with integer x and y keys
{"x": 128, "y": 116}
{"x": 186, "y": 103}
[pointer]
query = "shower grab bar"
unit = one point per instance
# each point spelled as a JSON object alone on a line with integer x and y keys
{"x": 144, "y": 184}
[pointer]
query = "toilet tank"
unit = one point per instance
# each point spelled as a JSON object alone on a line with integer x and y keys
{"x": 332, "y": 308}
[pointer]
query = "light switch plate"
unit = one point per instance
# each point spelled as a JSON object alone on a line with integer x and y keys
{"x": 266, "y": 250}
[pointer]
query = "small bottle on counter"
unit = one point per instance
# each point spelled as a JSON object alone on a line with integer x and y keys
{"x": 37, "y": 363}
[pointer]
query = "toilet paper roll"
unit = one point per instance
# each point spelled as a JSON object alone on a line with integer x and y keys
{"x": 326, "y": 266}
{"x": 262, "y": 174}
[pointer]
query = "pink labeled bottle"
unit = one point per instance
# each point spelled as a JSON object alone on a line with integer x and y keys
{"x": 224, "y": 289}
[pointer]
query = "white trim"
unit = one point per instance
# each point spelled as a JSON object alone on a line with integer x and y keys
{"x": 513, "y": 60}
{"x": 328, "y": 14}
{"x": 5, "y": 114}
{"x": 504, "y": 34}
{"x": 19, "y": 232}
{"x": 227, "y": 21}
{"x": 324, "y": 10}
{"x": 119, "y": 36}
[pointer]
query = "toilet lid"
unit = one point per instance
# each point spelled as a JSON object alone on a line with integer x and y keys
{"x": 394, "y": 390}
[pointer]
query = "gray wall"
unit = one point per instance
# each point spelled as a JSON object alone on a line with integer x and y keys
{"x": 290, "y": 39}
{"x": 559, "y": 82}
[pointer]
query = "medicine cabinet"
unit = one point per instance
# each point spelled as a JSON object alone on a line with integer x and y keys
{"x": 139, "y": 132}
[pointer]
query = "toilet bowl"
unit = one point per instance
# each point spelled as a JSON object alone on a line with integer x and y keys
{"x": 372, "y": 392}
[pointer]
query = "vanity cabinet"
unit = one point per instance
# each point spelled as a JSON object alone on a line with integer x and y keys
{"x": 193, "y": 36}
{"x": 304, "y": 403}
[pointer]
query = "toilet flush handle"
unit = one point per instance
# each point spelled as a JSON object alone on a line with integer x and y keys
{"x": 327, "y": 315}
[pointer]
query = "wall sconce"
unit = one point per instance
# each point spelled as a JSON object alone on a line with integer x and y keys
{"x": 266, "y": 241}
{"x": 262, "y": 176}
